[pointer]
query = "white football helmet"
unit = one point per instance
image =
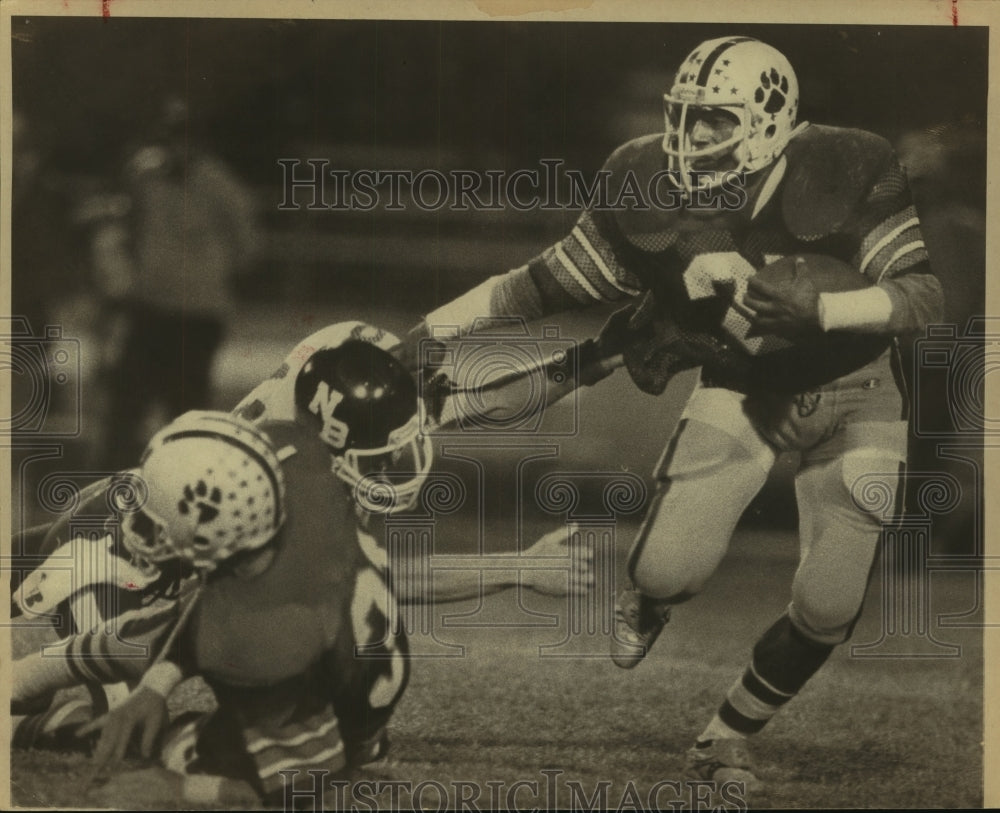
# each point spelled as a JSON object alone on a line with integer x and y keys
{"x": 215, "y": 488}
{"x": 747, "y": 78}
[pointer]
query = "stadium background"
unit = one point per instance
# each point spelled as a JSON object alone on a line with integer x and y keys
{"x": 454, "y": 95}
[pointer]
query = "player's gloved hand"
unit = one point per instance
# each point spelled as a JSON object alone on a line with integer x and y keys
{"x": 577, "y": 557}
{"x": 417, "y": 350}
{"x": 145, "y": 711}
{"x": 789, "y": 309}
{"x": 421, "y": 355}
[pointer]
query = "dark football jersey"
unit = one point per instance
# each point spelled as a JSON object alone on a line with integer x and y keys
{"x": 306, "y": 659}
{"x": 834, "y": 191}
{"x": 276, "y": 624}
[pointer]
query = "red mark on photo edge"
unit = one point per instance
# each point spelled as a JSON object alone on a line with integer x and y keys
{"x": 105, "y": 8}
{"x": 954, "y": 12}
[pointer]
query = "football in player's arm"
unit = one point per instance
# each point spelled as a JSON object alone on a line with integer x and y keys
{"x": 790, "y": 303}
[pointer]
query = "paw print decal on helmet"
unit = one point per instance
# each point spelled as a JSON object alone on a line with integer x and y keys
{"x": 215, "y": 488}
{"x": 207, "y": 503}
{"x": 777, "y": 85}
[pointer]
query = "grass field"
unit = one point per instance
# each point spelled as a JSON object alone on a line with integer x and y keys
{"x": 865, "y": 732}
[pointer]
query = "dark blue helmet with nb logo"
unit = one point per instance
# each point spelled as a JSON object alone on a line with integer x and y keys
{"x": 364, "y": 406}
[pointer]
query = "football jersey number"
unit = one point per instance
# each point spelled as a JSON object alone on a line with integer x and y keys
{"x": 708, "y": 270}
{"x": 373, "y": 613}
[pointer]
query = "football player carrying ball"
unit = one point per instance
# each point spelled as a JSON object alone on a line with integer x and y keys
{"x": 791, "y": 264}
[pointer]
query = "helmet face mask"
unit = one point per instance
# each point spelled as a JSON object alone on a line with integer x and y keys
{"x": 705, "y": 139}
{"x": 388, "y": 478}
{"x": 146, "y": 537}
{"x": 364, "y": 405}
{"x": 745, "y": 78}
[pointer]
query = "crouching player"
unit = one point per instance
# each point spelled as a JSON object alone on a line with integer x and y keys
{"x": 287, "y": 621}
{"x": 271, "y": 626}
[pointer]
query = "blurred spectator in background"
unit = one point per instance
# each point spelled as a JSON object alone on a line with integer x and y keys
{"x": 191, "y": 227}
{"x": 43, "y": 270}
{"x": 41, "y": 253}
{"x": 103, "y": 213}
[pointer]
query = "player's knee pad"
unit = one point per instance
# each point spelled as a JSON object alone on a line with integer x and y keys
{"x": 707, "y": 477}
{"x": 873, "y": 458}
{"x": 649, "y": 569}
{"x": 655, "y": 581}
{"x": 827, "y": 612}
{"x": 679, "y": 544}
{"x": 870, "y": 479}
{"x": 824, "y": 625}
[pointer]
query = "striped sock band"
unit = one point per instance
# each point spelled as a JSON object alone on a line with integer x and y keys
{"x": 783, "y": 660}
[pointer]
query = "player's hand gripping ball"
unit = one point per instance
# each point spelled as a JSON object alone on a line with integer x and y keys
{"x": 784, "y": 295}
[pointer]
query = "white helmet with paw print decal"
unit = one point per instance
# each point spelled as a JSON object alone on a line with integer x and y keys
{"x": 749, "y": 80}
{"x": 215, "y": 488}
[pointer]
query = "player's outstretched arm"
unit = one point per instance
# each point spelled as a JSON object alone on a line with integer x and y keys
{"x": 582, "y": 269}
{"x": 502, "y": 397}
{"x": 563, "y": 564}
{"x": 558, "y": 564}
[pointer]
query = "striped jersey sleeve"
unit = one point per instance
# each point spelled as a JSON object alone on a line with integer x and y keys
{"x": 892, "y": 241}
{"x": 124, "y": 647}
{"x": 893, "y": 255}
{"x": 586, "y": 267}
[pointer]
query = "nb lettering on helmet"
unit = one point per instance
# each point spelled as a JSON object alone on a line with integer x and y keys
{"x": 325, "y": 401}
